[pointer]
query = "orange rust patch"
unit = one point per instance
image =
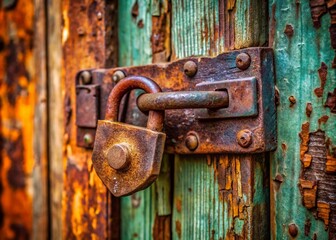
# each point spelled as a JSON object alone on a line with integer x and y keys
{"x": 304, "y": 135}
{"x": 178, "y": 228}
{"x": 306, "y": 160}
{"x": 318, "y": 181}
{"x": 309, "y": 193}
{"x": 178, "y": 204}
{"x": 323, "y": 211}
{"x": 323, "y": 119}
{"x": 309, "y": 109}
{"x": 331, "y": 164}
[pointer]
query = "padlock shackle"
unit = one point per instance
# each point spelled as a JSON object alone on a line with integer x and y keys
{"x": 155, "y": 118}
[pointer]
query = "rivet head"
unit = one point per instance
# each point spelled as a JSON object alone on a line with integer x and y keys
{"x": 85, "y": 77}
{"x": 293, "y": 230}
{"x": 118, "y": 156}
{"x": 88, "y": 139}
{"x": 99, "y": 16}
{"x": 190, "y": 68}
{"x": 244, "y": 138}
{"x": 118, "y": 75}
{"x": 243, "y": 61}
{"x": 191, "y": 141}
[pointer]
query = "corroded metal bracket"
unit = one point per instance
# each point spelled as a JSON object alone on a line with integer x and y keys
{"x": 246, "y": 125}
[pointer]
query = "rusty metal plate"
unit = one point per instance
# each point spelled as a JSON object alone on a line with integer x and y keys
{"x": 252, "y": 130}
{"x": 242, "y": 98}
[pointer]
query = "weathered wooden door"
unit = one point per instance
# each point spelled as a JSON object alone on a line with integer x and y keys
{"x": 48, "y": 187}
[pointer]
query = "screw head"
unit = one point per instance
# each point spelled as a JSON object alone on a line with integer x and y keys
{"x": 118, "y": 75}
{"x": 293, "y": 230}
{"x": 191, "y": 141}
{"x": 118, "y": 156}
{"x": 88, "y": 139}
{"x": 244, "y": 138}
{"x": 190, "y": 68}
{"x": 85, "y": 77}
{"x": 243, "y": 61}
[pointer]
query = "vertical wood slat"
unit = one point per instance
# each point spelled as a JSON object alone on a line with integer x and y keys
{"x": 144, "y": 37}
{"x": 18, "y": 95}
{"x": 80, "y": 36}
{"x": 55, "y": 114}
{"x": 222, "y": 197}
{"x": 302, "y": 53}
{"x": 40, "y": 138}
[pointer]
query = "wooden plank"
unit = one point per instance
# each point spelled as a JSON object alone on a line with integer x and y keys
{"x": 40, "y": 138}
{"x": 80, "y": 36}
{"x": 144, "y": 31}
{"x": 225, "y": 196}
{"x": 303, "y": 184}
{"x": 22, "y": 89}
{"x": 55, "y": 116}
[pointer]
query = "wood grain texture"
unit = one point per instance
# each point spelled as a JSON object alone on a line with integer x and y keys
{"x": 144, "y": 37}
{"x": 18, "y": 95}
{"x": 302, "y": 185}
{"x": 55, "y": 114}
{"x": 224, "y": 197}
{"x": 79, "y": 36}
{"x": 40, "y": 137}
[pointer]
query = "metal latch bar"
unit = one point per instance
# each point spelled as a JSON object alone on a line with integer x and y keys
{"x": 183, "y": 99}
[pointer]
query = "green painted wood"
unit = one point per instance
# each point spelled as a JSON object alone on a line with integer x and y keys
{"x": 143, "y": 214}
{"x": 224, "y": 197}
{"x": 298, "y": 58}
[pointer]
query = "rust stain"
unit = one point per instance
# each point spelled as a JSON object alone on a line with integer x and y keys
{"x": 307, "y": 227}
{"x": 331, "y": 101}
{"x": 309, "y": 109}
{"x": 160, "y": 37}
{"x": 292, "y": 101}
{"x": 323, "y": 71}
{"x": 331, "y": 164}
{"x": 318, "y": 9}
{"x": 323, "y": 119}
{"x": 309, "y": 189}
{"x": 304, "y": 136}
{"x": 178, "y": 229}
{"x": 161, "y": 228}
{"x": 178, "y": 204}
{"x": 17, "y": 101}
{"x": 272, "y": 26}
{"x": 135, "y": 10}
{"x": 87, "y": 207}
{"x": 317, "y": 179}
{"x": 289, "y": 30}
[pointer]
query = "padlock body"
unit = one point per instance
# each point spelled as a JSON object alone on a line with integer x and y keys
{"x": 145, "y": 151}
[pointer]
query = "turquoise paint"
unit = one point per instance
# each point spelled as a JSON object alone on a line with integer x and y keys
{"x": 297, "y": 60}
{"x": 238, "y": 226}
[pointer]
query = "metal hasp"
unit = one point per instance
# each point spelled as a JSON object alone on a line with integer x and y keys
{"x": 240, "y": 119}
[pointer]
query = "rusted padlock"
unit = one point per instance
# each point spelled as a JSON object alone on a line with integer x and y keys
{"x": 128, "y": 158}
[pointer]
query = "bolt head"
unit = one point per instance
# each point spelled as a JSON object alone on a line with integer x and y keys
{"x": 85, "y": 77}
{"x": 190, "y": 68}
{"x": 244, "y": 138}
{"x": 243, "y": 61}
{"x": 88, "y": 139}
{"x": 118, "y": 156}
{"x": 191, "y": 141}
{"x": 118, "y": 75}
